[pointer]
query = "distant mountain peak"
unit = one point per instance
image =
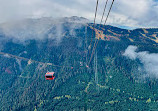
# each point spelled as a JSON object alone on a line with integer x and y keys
{"x": 76, "y": 19}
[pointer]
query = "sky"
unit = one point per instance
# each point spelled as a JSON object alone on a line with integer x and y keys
{"x": 128, "y": 13}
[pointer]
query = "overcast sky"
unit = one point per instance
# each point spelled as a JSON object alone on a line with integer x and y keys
{"x": 133, "y": 13}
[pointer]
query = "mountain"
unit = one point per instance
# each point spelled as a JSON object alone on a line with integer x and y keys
{"x": 112, "y": 82}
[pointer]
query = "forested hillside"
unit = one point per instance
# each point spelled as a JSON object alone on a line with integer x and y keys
{"x": 112, "y": 82}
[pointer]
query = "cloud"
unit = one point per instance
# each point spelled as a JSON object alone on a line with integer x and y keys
{"x": 18, "y": 9}
{"x": 149, "y": 60}
{"x": 26, "y": 29}
{"x": 130, "y": 52}
{"x": 40, "y": 29}
{"x": 134, "y": 13}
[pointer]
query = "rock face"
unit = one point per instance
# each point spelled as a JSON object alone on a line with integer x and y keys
{"x": 66, "y": 45}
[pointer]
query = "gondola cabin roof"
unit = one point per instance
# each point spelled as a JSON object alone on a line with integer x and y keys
{"x": 49, "y": 76}
{"x": 50, "y": 73}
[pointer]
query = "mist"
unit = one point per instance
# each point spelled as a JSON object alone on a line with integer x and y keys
{"x": 40, "y": 29}
{"x": 149, "y": 60}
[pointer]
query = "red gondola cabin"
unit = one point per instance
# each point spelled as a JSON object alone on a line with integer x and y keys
{"x": 49, "y": 76}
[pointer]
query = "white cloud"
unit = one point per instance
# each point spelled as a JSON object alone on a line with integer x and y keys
{"x": 140, "y": 13}
{"x": 136, "y": 13}
{"x": 39, "y": 29}
{"x": 130, "y": 52}
{"x": 149, "y": 60}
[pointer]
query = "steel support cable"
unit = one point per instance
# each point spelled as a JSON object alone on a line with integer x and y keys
{"x": 102, "y": 17}
{"x": 26, "y": 59}
{"x": 93, "y": 52}
{"x": 86, "y": 43}
{"x": 96, "y": 43}
{"x": 103, "y": 13}
{"x": 109, "y": 11}
{"x": 94, "y": 19}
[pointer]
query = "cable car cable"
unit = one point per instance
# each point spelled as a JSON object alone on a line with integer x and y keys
{"x": 109, "y": 11}
{"x": 98, "y": 39}
{"x": 94, "y": 19}
{"x": 26, "y": 59}
{"x": 93, "y": 24}
{"x": 103, "y": 12}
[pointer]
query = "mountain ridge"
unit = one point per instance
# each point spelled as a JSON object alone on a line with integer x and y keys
{"x": 119, "y": 87}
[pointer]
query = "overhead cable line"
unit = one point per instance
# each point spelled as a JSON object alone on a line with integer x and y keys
{"x": 26, "y": 59}
{"x": 109, "y": 11}
{"x": 102, "y": 17}
{"x": 104, "y": 12}
{"x": 94, "y": 19}
{"x": 96, "y": 42}
{"x": 101, "y": 20}
{"x": 93, "y": 24}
